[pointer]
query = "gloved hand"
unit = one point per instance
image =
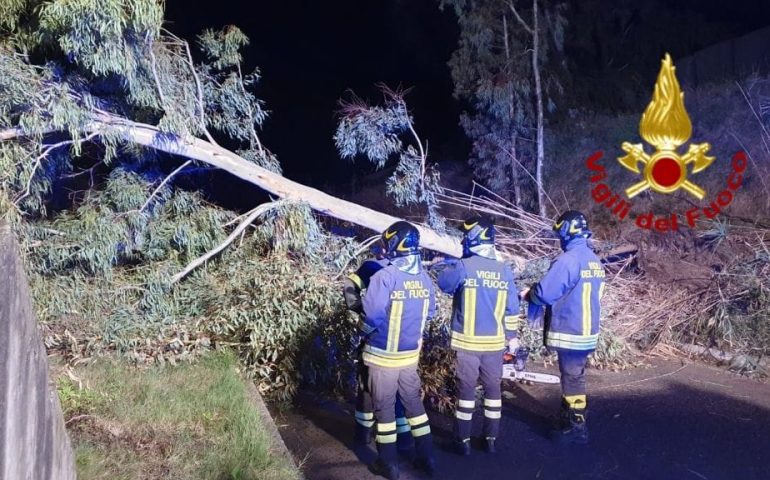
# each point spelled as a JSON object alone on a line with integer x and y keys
{"x": 513, "y": 344}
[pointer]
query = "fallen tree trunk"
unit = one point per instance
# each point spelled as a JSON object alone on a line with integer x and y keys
{"x": 216, "y": 156}
{"x": 274, "y": 183}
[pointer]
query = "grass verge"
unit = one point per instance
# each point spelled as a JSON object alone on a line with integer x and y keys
{"x": 191, "y": 421}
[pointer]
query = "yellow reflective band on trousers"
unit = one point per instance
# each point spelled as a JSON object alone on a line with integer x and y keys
{"x": 469, "y": 311}
{"x": 502, "y": 298}
{"x": 365, "y": 419}
{"x": 492, "y": 414}
{"x": 357, "y": 280}
{"x": 586, "y": 309}
{"x": 394, "y": 325}
{"x": 488, "y": 402}
{"x": 463, "y": 415}
{"x": 466, "y": 403}
{"x": 419, "y": 425}
{"x": 575, "y": 401}
{"x": 418, "y": 419}
{"x": 386, "y": 432}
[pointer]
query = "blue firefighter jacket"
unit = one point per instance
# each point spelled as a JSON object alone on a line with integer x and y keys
{"x": 485, "y": 304}
{"x": 571, "y": 290}
{"x": 396, "y": 306}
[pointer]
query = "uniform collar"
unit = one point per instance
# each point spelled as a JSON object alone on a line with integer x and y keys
{"x": 575, "y": 243}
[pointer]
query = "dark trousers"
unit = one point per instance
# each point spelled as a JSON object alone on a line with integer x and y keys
{"x": 572, "y": 366}
{"x": 470, "y": 367}
{"x": 365, "y": 406}
{"x": 385, "y": 384}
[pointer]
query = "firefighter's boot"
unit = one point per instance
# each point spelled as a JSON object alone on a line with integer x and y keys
{"x": 575, "y": 429}
{"x": 490, "y": 445}
{"x": 363, "y": 435}
{"x": 386, "y": 464}
{"x": 463, "y": 447}
{"x": 404, "y": 439}
{"x": 425, "y": 461}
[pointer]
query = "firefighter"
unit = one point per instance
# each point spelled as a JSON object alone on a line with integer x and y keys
{"x": 354, "y": 285}
{"x": 399, "y": 300}
{"x": 570, "y": 292}
{"x": 484, "y": 322}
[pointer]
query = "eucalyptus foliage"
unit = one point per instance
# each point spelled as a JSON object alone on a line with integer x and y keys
{"x": 103, "y": 228}
{"x": 379, "y": 133}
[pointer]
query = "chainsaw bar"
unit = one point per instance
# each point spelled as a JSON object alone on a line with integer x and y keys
{"x": 511, "y": 373}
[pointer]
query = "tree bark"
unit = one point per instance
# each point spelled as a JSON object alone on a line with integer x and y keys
{"x": 539, "y": 100}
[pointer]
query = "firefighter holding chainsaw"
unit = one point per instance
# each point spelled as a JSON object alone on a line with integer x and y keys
{"x": 398, "y": 302}
{"x": 568, "y": 299}
{"x": 354, "y": 286}
{"x": 484, "y": 321}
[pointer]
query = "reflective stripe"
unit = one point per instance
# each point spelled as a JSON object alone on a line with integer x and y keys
{"x": 587, "y": 308}
{"x": 403, "y": 428}
{"x": 502, "y": 297}
{"x": 601, "y": 290}
{"x": 490, "y": 402}
{"x": 364, "y": 415}
{"x": 492, "y": 413}
{"x": 571, "y": 342}
{"x": 469, "y": 311}
{"x": 575, "y": 401}
{"x": 466, "y": 403}
{"x": 394, "y": 325}
{"x": 419, "y": 432}
{"x": 418, "y": 419}
{"x": 478, "y": 343}
{"x": 386, "y": 438}
{"x": 386, "y": 427}
{"x": 392, "y": 361}
{"x": 401, "y": 421}
{"x": 357, "y": 280}
{"x": 365, "y": 423}
{"x": 511, "y": 322}
{"x": 463, "y": 415}
{"x": 425, "y": 308}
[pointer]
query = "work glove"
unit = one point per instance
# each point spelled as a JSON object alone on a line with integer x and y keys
{"x": 513, "y": 344}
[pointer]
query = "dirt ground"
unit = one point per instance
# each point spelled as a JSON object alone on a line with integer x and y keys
{"x": 669, "y": 420}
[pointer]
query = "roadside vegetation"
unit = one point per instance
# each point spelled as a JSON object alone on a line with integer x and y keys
{"x": 191, "y": 421}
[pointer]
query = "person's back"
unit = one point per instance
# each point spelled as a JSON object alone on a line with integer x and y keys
{"x": 401, "y": 301}
{"x": 480, "y": 304}
{"x": 398, "y": 302}
{"x": 484, "y": 317}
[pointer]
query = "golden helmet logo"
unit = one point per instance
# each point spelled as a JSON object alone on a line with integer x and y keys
{"x": 666, "y": 125}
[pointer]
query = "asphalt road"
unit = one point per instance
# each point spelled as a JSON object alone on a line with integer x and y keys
{"x": 671, "y": 420}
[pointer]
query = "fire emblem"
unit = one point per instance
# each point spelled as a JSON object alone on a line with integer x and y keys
{"x": 666, "y": 125}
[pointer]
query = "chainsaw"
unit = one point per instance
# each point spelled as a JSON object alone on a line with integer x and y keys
{"x": 514, "y": 369}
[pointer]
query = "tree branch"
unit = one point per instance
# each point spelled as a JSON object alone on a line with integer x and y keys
{"x": 165, "y": 181}
{"x": 233, "y": 235}
{"x": 39, "y": 160}
{"x": 521, "y": 20}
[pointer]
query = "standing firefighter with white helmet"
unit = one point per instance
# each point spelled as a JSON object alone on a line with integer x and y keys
{"x": 398, "y": 302}
{"x": 570, "y": 292}
{"x": 484, "y": 320}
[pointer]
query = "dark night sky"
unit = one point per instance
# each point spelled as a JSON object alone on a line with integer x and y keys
{"x": 310, "y": 52}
